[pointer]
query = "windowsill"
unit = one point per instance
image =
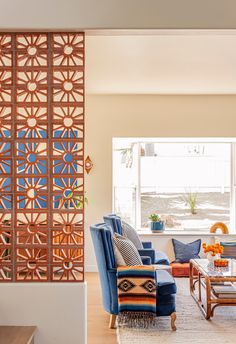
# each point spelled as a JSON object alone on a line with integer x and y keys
{"x": 179, "y": 232}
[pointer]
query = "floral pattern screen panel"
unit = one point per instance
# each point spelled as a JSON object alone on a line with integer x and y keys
{"x": 41, "y": 157}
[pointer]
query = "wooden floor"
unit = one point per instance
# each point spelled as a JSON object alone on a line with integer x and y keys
{"x": 17, "y": 334}
{"x": 98, "y": 319}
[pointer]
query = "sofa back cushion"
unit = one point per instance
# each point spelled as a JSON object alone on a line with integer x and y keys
{"x": 114, "y": 222}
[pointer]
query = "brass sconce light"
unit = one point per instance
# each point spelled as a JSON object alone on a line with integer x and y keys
{"x": 88, "y": 164}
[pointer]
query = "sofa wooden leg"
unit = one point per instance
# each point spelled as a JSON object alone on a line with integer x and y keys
{"x": 173, "y": 320}
{"x": 112, "y": 323}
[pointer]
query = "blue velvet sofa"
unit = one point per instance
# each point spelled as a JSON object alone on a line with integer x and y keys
{"x": 157, "y": 257}
{"x": 166, "y": 287}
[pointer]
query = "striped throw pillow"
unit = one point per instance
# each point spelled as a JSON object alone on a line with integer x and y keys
{"x": 229, "y": 250}
{"x": 127, "y": 249}
{"x": 130, "y": 233}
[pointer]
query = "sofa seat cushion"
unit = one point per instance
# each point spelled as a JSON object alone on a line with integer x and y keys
{"x": 161, "y": 258}
{"x": 165, "y": 283}
{"x": 181, "y": 270}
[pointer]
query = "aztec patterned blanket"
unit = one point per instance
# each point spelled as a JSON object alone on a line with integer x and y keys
{"x": 136, "y": 295}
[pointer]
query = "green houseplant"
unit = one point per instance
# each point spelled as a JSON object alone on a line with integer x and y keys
{"x": 156, "y": 224}
{"x": 71, "y": 200}
{"x": 191, "y": 201}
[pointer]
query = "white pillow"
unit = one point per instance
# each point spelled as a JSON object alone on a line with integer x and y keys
{"x": 130, "y": 233}
{"x": 118, "y": 257}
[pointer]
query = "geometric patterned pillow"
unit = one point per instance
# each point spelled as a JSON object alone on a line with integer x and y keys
{"x": 127, "y": 249}
{"x": 130, "y": 233}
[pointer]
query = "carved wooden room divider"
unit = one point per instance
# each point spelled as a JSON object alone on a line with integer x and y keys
{"x": 41, "y": 157}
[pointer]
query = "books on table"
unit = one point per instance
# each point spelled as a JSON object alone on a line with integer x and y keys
{"x": 225, "y": 290}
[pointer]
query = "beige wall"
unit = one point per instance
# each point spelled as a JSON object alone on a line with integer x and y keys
{"x": 109, "y": 116}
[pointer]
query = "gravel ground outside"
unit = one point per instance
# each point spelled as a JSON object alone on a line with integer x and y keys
{"x": 211, "y": 207}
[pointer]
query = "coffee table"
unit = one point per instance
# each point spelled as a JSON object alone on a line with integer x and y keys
{"x": 203, "y": 281}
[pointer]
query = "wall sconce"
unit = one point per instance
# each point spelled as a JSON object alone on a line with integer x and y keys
{"x": 88, "y": 164}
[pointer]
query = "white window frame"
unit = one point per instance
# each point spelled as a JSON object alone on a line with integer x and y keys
{"x": 231, "y": 141}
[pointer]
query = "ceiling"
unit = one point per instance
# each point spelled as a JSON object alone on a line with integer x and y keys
{"x": 161, "y": 64}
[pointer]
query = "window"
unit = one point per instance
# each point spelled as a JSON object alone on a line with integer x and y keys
{"x": 189, "y": 183}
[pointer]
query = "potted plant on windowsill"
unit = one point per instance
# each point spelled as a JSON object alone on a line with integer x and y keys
{"x": 156, "y": 224}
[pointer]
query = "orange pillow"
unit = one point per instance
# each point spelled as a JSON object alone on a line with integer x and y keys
{"x": 181, "y": 270}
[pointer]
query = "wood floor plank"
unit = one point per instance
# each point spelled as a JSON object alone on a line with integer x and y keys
{"x": 17, "y": 334}
{"x": 98, "y": 319}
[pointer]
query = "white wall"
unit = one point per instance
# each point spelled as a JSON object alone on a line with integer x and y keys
{"x": 178, "y": 63}
{"x": 163, "y": 242}
{"x": 130, "y": 14}
{"x": 59, "y": 310}
{"x": 110, "y": 116}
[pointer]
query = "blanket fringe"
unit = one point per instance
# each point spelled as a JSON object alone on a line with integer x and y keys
{"x": 137, "y": 319}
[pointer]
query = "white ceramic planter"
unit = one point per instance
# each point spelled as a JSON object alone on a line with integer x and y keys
{"x": 212, "y": 258}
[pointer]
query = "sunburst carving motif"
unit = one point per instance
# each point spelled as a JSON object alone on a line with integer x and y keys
{"x": 5, "y": 185}
{"x": 68, "y": 86}
{"x": 32, "y": 86}
{"x": 32, "y": 264}
{"x": 69, "y": 235}
{"x": 67, "y": 264}
{"x": 63, "y": 219}
{"x": 5, "y": 121}
{"x": 68, "y": 50}
{"x": 5, "y": 86}
{"x": 67, "y": 192}
{"x": 5, "y": 166}
{"x": 67, "y": 157}
{"x": 31, "y": 157}
{"x": 6, "y": 272}
{"x": 68, "y": 122}
{"x": 31, "y": 193}
{"x": 32, "y": 122}
{"x": 32, "y": 50}
{"x": 5, "y": 50}
{"x": 67, "y": 229}
{"x": 5, "y": 229}
{"x": 39, "y": 40}
{"x": 5, "y": 202}
{"x": 5, "y": 255}
{"x": 32, "y": 229}
{"x": 5, "y": 149}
